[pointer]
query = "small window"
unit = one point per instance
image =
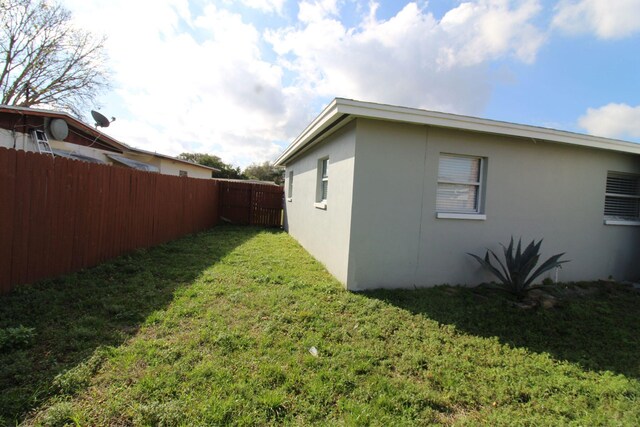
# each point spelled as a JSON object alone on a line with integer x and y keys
{"x": 622, "y": 198}
{"x": 290, "y": 186}
{"x": 323, "y": 180}
{"x": 459, "y": 184}
{"x": 183, "y": 173}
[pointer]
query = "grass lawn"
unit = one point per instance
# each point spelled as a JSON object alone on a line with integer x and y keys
{"x": 216, "y": 329}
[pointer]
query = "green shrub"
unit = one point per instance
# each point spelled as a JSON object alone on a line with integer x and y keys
{"x": 15, "y": 338}
{"x": 515, "y": 273}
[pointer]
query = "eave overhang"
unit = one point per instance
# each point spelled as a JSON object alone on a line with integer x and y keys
{"x": 341, "y": 111}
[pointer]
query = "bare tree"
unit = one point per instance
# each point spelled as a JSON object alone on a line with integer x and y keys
{"x": 47, "y": 61}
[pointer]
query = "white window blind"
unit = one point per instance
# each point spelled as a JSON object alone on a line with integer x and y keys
{"x": 459, "y": 181}
{"x": 622, "y": 198}
{"x": 290, "y": 184}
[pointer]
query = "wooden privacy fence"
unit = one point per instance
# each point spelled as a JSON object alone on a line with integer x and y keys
{"x": 251, "y": 204}
{"x": 59, "y": 216}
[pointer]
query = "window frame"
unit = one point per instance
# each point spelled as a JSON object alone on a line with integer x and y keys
{"x": 290, "y": 187}
{"x": 478, "y": 211}
{"x": 322, "y": 183}
{"x": 610, "y": 219}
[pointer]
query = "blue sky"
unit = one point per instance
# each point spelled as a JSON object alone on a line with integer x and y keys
{"x": 241, "y": 78}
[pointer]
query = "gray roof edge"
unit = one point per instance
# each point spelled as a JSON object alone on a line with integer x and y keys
{"x": 327, "y": 116}
{"x": 341, "y": 106}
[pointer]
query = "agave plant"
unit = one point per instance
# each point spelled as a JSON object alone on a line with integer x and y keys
{"x": 516, "y": 271}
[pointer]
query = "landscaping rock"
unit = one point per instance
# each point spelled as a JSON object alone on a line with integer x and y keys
{"x": 525, "y": 305}
{"x": 542, "y": 298}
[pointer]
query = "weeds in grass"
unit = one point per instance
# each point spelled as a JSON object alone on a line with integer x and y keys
{"x": 16, "y": 338}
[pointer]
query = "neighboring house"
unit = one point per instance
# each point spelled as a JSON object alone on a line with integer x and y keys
{"x": 392, "y": 197}
{"x": 248, "y": 181}
{"x": 71, "y": 138}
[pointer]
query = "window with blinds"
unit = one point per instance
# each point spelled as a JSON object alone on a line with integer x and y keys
{"x": 290, "y": 188}
{"x": 622, "y": 198}
{"x": 459, "y": 184}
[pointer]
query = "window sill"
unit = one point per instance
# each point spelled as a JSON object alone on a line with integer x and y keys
{"x": 476, "y": 217}
{"x": 320, "y": 205}
{"x": 621, "y": 222}
{"x": 289, "y": 199}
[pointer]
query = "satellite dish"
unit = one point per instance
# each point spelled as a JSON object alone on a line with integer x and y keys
{"x": 58, "y": 129}
{"x": 101, "y": 121}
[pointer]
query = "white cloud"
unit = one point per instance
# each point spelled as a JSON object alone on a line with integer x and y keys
{"x": 203, "y": 81}
{"x": 317, "y": 10}
{"x": 476, "y": 32}
{"x": 411, "y": 58}
{"x": 193, "y": 83}
{"x": 606, "y": 18}
{"x": 613, "y": 121}
{"x": 264, "y": 5}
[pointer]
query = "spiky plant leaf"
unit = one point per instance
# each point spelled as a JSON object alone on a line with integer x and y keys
{"x": 486, "y": 263}
{"x": 505, "y": 270}
{"x": 552, "y": 262}
{"x": 508, "y": 258}
{"x": 515, "y": 272}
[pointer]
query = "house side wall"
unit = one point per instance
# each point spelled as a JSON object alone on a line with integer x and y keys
{"x": 533, "y": 189}
{"x": 324, "y": 233}
{"x": 80, "y": 149}
{"x": 387, "y": 204}
{"x": 171, "y": 167}
{"x": 24, "y": 141}
{"x": 21, "y": 140}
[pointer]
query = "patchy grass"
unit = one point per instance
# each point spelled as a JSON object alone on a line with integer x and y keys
{"x": 216, "y": 329}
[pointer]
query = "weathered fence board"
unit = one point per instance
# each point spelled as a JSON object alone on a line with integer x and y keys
{"x": 251, "y": 204}
{"x": 59, "y": 216}
{"x": 62, "y": 215}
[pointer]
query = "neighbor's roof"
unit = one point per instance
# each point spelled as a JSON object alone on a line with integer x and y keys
{"x": 175, "y": 159}
{"x": 71, "y": 121}
{"x": 341, "y": 111}
{"x": 247, "y": 181}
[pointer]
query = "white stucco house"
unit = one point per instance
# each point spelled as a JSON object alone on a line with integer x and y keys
{"x": 394, "y": 197}
{"x": 72, "y": 138}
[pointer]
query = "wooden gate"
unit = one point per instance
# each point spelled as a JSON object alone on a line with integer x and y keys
{"x": 246, "y": 203}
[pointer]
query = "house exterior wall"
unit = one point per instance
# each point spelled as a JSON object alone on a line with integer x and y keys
{"x": 387, "y": 203}
{"x": 170, "y": 167}
{"x": 25, "y": 142}
{"x": 22, "y": 141}
{"x": 532, "y": 189}
{"x": 81, "y": 149}
{"x": 325, "y": 233}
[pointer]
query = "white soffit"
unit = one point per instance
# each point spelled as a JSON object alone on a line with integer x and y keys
{"x": 340, "y": 107}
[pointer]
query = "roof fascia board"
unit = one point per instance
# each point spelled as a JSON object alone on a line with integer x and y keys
{"x": 320, "y": 123}
{"x": 340, "y": 107}
{"x": 432, "y": 118}
{"x": 337, "y": 123}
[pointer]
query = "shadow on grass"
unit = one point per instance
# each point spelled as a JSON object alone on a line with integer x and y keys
{"x": 599, "y": 329}
{"x": 73, "y": 317}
